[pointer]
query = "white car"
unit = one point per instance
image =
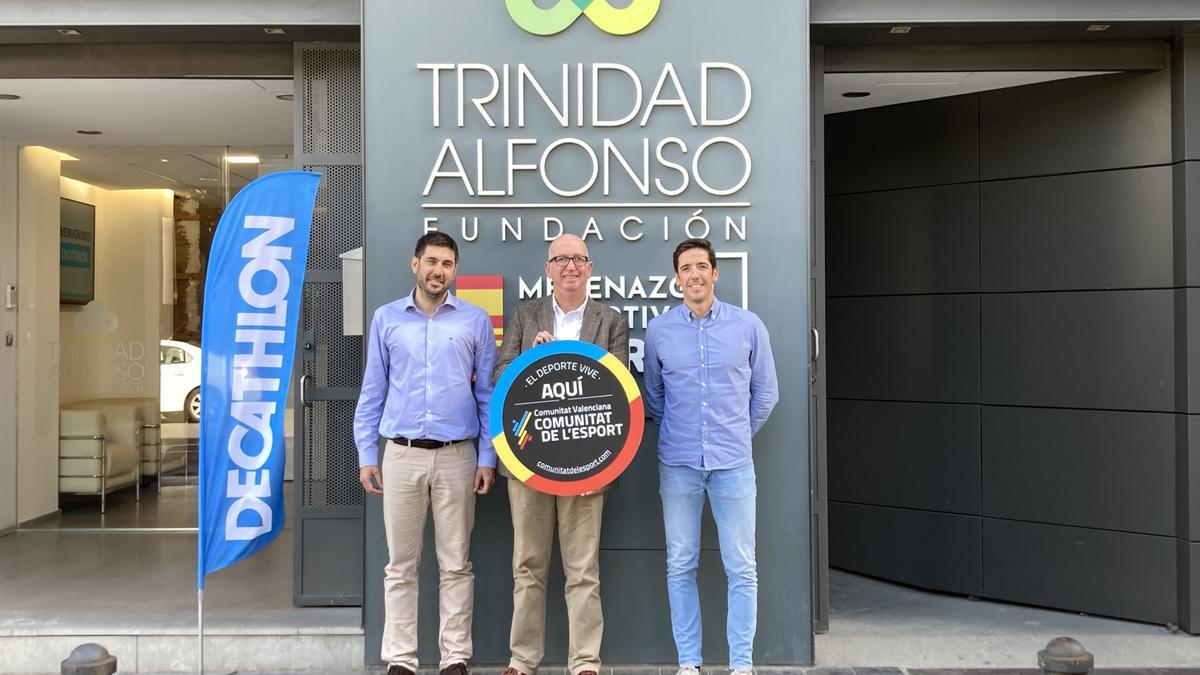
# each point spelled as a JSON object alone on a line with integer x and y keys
{"x": 179, "y": 388}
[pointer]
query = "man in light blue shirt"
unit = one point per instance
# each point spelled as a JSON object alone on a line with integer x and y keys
{"x": 710, "y": 386}
{"x": 427, "y": 388}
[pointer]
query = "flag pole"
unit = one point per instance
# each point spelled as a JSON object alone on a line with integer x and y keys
{"x": 200, "y": 629}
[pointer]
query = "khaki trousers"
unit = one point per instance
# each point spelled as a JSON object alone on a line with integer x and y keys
{"x": 535, "y": 516}
{"x": 413, "y": 479}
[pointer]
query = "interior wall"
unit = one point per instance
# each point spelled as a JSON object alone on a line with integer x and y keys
{"x": 123, "y": 362}
{"x": 38, "y": 322}
{"x": 8, "y": 327}
{"x": 1002, "y": 367}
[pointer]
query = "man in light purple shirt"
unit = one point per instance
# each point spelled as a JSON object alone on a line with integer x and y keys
{"x": 427, "y": 388}
{"x": 710, "y": 385}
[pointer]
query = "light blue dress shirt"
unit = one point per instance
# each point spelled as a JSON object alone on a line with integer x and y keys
{"x": 427, "y": 377}
{"x": 710, "y": 385}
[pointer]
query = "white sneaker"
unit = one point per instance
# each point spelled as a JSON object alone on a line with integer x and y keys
{"x": 688, "y": 670}
{"x": 741, "y": 671}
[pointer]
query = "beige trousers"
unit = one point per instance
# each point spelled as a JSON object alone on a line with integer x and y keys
{"x": 535, "y": 516}
{"x": 413, "y": 479}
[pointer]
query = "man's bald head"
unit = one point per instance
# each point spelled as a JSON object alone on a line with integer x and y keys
{"x": 568, "y": 245}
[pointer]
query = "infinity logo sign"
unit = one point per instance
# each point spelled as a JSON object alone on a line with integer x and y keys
{"x": 558, "y": 18}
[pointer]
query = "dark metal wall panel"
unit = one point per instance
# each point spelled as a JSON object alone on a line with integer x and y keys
{"x": 1095, "y": 230}
{"x": 927, "y": 143}
{"x": 1110, "y": 573}
{"x": 1104, "y": 349}
{"x": 922, "y": 240}
{"x": 1190, "y": 366}
{"x": 1083, "y": 124}
{"x": 1189, "y": 591}
{"x": 932, "y": 550}
{"x": 1086, "y": 468}
{"x": 914, "y": 455}
{"x": 1190, "y": 453}
{"x": 1186, "y": 184}
{"x": 1185, "y": 97}
{"x": 332, "y": 554}
{"x": 909, "y": 348}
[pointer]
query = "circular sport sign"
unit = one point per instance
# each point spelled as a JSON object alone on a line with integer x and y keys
{"x": 566, "y": 417}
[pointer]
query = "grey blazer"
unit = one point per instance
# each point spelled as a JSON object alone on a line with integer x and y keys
{"x": 602, "y": 326}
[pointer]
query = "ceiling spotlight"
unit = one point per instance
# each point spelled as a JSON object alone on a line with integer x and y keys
{"x": 69, "y": 31}
{"x": 9, "y": 97}
{"x": 900, "y": 30}
{"x": 286, "y": 97}
{"x": 242, "y": 159}
{"x": 1098, "y": 27}
{"x": 89, "y": 132}
{"x": 274, "y": 31}
{"x": 857, "y": 94}
{"x": 164, "y": 160}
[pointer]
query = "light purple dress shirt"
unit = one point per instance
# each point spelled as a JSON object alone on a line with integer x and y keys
{"x": 427, "y": 377}
{"x": 710, "y": 385}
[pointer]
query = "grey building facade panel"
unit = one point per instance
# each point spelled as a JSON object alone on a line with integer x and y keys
{"x": 904, "y": 348}
{"x": 1110, "y": 229}
{"x": 920, "y": 240}
{"x": 1084, "y": 468}
{"x": 1034, "y": 11}
{"x": 941, "y": 551}
{"x": 932, "y": 462}
{"x": 1053, "y": 127}
{"x": 1099, "y": 349}
{"x": 158, "y": 13}
{"x": 1095, "y": 571}
{"x": 902, "y": 146}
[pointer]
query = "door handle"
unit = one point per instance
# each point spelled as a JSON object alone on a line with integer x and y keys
{"x": 816, "y": 344}
{"x": 303, "y": 380}
{"x": 10, "y": 297}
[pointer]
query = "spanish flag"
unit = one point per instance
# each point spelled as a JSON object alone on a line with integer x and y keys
{"x": 486, "y": 292}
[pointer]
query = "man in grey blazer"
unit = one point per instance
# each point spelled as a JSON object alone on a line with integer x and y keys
{"x": 567, "y": 314}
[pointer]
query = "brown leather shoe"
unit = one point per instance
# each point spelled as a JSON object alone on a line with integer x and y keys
{"x": 511, "y": 671}
{"x": 456, "y": 669}
{"x": 397, "y": 669}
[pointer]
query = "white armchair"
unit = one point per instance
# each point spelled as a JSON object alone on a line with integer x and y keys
{"x": 97, "y": 451}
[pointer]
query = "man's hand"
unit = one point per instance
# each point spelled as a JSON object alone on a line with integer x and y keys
{"x": 542, "y": 337}
{"x": 371, "y": 479}
{"x": 484, "y": 477}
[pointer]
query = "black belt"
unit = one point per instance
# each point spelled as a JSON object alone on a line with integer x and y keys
{"x": 425, "y": 443}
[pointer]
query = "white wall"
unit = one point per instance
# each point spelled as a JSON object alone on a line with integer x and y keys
{"x": 8, "y": 325}
{"x": 128, "y": 258}
{"x": 38, "y": 339}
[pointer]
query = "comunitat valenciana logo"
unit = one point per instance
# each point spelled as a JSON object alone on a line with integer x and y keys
{"x": 607, "y": 18}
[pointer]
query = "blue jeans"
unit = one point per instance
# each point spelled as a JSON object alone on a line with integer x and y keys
{"x": 731, "y": 494}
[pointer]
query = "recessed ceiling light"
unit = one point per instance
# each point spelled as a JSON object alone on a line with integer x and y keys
{"x": 69, "y": 31}
{"x": 900, "y": 30}
{"x": 207, "y": 179}
{"x": 89, "y": 132}
{"x": 9, "y": 97}
{"x": 1098, "y": 27}
{"x": 242, "y": 159}
{"x": 274, "y": 31}
{"x": 857, "y": 94}
{"x": 164, "y": 160}
{"x": 286, "y": 97}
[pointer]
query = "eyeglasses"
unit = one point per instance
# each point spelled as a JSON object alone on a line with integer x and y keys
{"x": 562, "y": 260}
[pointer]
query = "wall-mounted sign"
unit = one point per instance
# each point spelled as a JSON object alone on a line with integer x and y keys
{"x": 77, "y": 253}
{"x": 569, "y": 418}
